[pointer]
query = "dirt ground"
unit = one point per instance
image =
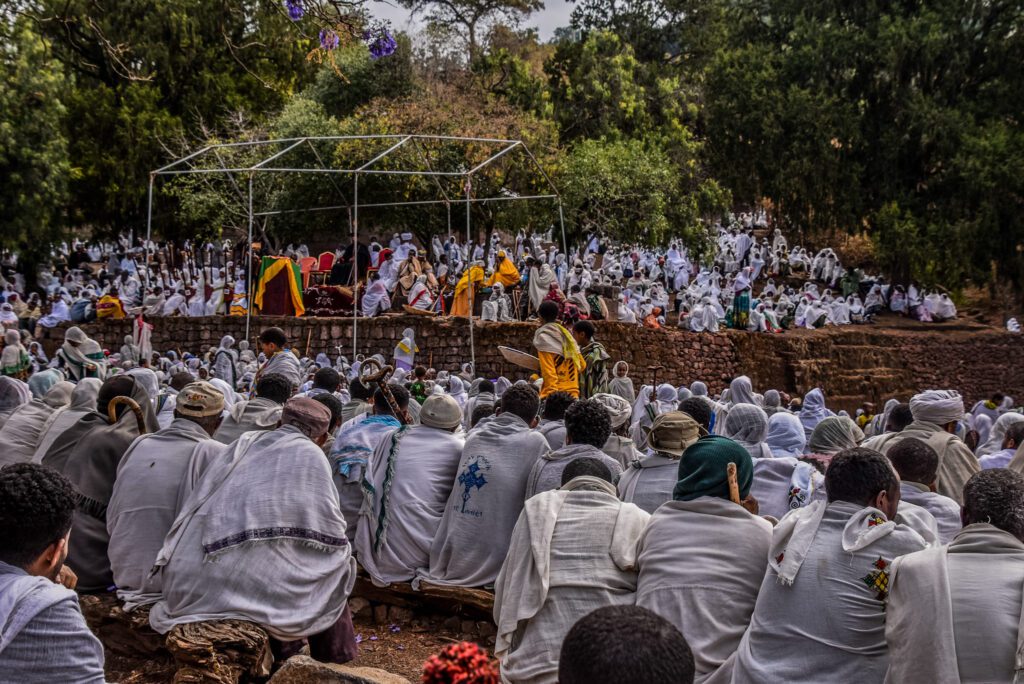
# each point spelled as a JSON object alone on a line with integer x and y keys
{"x": 398, "y": 649}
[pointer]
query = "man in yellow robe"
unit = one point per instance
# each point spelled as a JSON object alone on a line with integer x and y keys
{"x": 560, "y": 359}
{"x": 109, "y": 306}
{"x": 465, "y": 290}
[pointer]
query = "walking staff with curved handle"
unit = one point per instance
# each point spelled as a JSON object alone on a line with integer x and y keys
{"x": 371, "y": 372}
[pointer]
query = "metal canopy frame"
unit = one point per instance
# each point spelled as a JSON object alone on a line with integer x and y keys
{"x": 278, "y": 150}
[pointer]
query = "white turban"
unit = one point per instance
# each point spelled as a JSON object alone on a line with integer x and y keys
{"x": 937, "y": 406}
{"x": 618, "y": 408}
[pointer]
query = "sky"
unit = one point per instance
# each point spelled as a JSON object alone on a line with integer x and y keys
{"x": 555, "y": 14}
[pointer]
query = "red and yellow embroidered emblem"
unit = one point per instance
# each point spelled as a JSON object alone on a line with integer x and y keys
{"x": 878, "y": 579}
{"x": 876, "y": 520}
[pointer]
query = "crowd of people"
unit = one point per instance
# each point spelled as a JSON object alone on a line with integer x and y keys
{"x": 746, "y": 282}
{"x": 629, "y": 534}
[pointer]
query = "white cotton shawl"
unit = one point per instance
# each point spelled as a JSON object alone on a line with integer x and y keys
{"x": 813, "y": 410}
{"x": 786, "y": 436}
{"x": 747, "y": 425}
{"x": 245, "y": 416}
{"x": 547, "y": 471}
{"x": 83, "y": 401}
{"x": 997, "y": 434}
{"x": 649, "y": 482}
{"x": 472, "y": 540}
{"x": 20, "y": 434}
{"x": 920, "y": 621}
{"x": 783, "y": 483}
{"x": 260, "y": 538}
{"x": 597, "y": 538}
{"x": 700, "y": 567}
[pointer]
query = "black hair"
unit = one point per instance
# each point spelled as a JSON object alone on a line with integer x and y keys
{"x": 522, "y": 401}
{"x": 914, "y": 460}
{"x": 486, "y": 387}
{"x": 625, "y": 645}
{"x": 480, "y": 412}
{"x": 334, "y": 405}
{"x": 400, "y": 394}
{"x": 996, "y": 496}
{"x": 274, "y": 387}
{"x": 556, "y": 405}
{"x": 698, "y": 409}
{"x": 1015, "y": 433}
{"x": 420, "y": 372}
{"x": 327, "y": 379}
{"x": 578, "y": 467}
{"x": 548, "y": 311}
{"x": 857, "y": 475}
{"x": 585, "y": 327}
{"x": 37, "y": 505}
{"x": 588, "y": 422}
{"x": 274, "y": 336}
{"x": 358, "y": 390}
{"x": 899, "y": 418}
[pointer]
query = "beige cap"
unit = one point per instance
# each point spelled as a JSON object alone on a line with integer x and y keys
{"x": 199, "y": 400}
{"x": 672, "y": 432}
{"x": 440, "y": 411}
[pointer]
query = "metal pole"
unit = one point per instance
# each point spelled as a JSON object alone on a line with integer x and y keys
{"x": 355, "y": 262}
{"x": 248, "y": 269}
{"x": 149, "y": 226}
{"x": 469, "y": 206}
{"x": 561, "y": 220}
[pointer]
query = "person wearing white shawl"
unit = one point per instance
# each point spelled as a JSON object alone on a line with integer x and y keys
{"x": 587, "y": 427}
{"x": 820, "y": 613}
{"x": 621, "y": 384}
{"x": 261, "y": 538}
{"x": 649, "y": 482}
{"x": 833, "y": 435}
{"x": 701, "y": 548}
{"x": 411, "y": 475}
{"x": 936, "y": 414}
{"x": 651, "y": 403}
{"x": 280, "y": 359}
{"x": 813, "y": 410}
{"x": 148, "y": 491}
{"x": 488, "y": 494}
{"x": 786, "y": 436}
{"x": 262, "y": 412}
{"x": 997, "y": 434}
{"x": 83, "y": 401}
{"x": 954, "y": 612}
{"x": 225, "y": 362}
{"x": 481, "y": 394}
{"x": 773, "y": 403}
{"x": 619, "y": 446}
{"x": 13, "y": 394}
{"x": 457, "y": 390}
{"x": 1013, "y": 441}
{"x": 573, "y": 550}
{"x": 20, "y": 434}
{"x": 879, "y": 424}
{"x": 405, "y": 350}
{"x": 539, "y": 283}
{"x": 747, "y": 425}
{"x": 741, "y": 391}
{"x": 917, "y": 465}
{"x": 376, "y": 299}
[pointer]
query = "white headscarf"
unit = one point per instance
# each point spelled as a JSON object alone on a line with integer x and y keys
{"x": 747, "y": 425}
{"x": 618, "y": 408}
{"x": 813, "y": 410}
{"x": 786, "y": 436}
{"x": 834, "y": 434}
{"x": 457, "y": 390}
{"x": 741, "y": 391}
{"x": 997, "y": 434}
{"x": 938, "y": 407}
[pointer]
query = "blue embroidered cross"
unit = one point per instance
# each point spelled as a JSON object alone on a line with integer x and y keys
{"x": 469, "y": 479}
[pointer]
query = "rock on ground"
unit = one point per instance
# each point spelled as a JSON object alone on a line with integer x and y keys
{"x": 302, "y": 669}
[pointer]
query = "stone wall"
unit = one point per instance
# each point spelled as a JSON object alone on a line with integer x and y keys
{"x": 851, "y": 364}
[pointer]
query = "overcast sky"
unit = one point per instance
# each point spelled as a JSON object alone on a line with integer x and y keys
{"x": 555, "y": 14}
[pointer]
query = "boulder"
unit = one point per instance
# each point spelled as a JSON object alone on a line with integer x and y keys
{"x": 302, "y": 669}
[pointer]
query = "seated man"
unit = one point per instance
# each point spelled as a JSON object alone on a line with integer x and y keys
{"x": 587, "y": 426}
{"x": 280, "y": 359}
{"x": 488, "y": 494}
{"x": 619, "y": 445}
{"x": 260, "y": 413}
{"x": 147, "y": 493}
{"x": 552, "y": 418}
{"x": 261, "y": 538}
{"x": 650, "y": 481}
{"x": 820, "y": 613}
{"x": 1012, "y": 441}
{"x": 625, "y": 645}
{"x": 701, "y": 547}
{"x": 408, "y": 483}
{"x": 573, "y": 551}
{"x": 353, "y": 447}
{"x": 44, "y": 637}
{"x": 917, "y": 465}
{"x": 954, "y": 612}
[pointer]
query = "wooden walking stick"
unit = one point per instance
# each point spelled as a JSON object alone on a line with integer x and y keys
{"x": 132, "y": 406}
{"x": 734, "y": 485}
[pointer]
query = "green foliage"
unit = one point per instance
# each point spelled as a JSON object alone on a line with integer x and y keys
{"x": 353, "y": 78}
{"x": 470, "y": 18}
{"x": 33, "y": 148}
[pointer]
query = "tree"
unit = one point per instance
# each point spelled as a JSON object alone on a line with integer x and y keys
{"x": 33, "y": 149}
{"x": 470, "y": 18}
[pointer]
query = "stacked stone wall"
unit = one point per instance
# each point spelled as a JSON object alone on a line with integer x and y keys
{"x": 850, "y": 364}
